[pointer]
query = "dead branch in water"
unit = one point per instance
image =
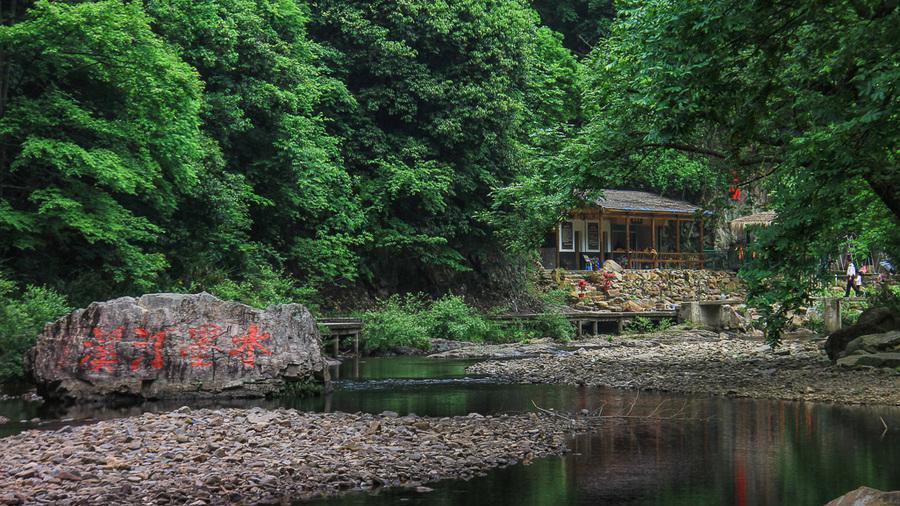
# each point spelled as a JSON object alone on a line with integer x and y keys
{"x": 655, "y": 414}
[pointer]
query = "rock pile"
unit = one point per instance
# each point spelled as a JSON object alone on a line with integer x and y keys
{"x": 234, "y": 456}
{"x": 705, "y": 362}
{"x": 656, "y": 289}
{"x": 176, "y": 345}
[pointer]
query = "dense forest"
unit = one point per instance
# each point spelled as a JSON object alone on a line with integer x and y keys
{"x": 275, "y": 150}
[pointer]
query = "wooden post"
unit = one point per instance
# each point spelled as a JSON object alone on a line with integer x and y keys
{"x": 653, "y": 242}
{"x": 595, "y": 328}
{"x": 628, "y": 242}
{"x": 356, "y": 344}
{"x": 678, "y": 241}
{"x": 337, "y": 346}
{"x": 556, "y": 246}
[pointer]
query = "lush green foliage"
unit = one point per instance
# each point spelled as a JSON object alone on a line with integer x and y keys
{"x": 552, "y": 325}
{"x": 798, "y": 100}
{"x": 397, "y": 322}
{"x": 451, "y": 318}
{"x": 583, "y": 23}
{"x": 23, "y": 315}
{"x": 412, "y": 321}
{"x": 443, "y": 99}
{"x": 237, "y": 147}
{"x": 642, "y": 325}
{"x": 267, "y": 149}
{"x": 274, "y": 180}
{"x": 99, "y": 138}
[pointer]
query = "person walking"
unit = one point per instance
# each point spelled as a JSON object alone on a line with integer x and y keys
{"x": 857, "y": 283}
{"x": 851, "y": 278}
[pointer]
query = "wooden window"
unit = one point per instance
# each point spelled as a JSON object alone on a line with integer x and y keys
{"x": 566, "y": 236}
{"x": 593, "y": 236}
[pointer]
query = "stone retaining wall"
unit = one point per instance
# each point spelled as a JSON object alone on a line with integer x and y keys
{"x": 642, "y": 290}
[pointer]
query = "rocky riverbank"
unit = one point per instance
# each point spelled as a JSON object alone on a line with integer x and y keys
{"x": 257, "y": 456}
{"x": 697, "y": 361}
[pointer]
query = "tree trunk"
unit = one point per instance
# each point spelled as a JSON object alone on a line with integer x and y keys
{"x": 889, "y": 194}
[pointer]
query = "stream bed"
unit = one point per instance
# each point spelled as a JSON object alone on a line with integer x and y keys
{"x": 670, "y": 449}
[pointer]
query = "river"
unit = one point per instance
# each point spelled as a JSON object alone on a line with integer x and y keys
{"x": 718, "y": 451}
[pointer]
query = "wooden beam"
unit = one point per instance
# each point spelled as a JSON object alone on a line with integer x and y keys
{"x": 653, "y": 242}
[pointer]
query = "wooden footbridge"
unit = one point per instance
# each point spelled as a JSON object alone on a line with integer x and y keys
{"x": 585, "y": 322}
{"x": 591, "y": 322}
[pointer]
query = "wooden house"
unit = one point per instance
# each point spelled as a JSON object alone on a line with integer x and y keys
{"x": 639, "y": 230}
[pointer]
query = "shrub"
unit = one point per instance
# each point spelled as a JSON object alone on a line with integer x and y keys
{"x": 555, "y": 297}
{"x": 553, "y": 325}
{"x": 639, "y": 325}
{"x": 887, "y": 295}
{"x": 21, "y": 319}
{"x": 396, "y": 322}
{"x": 451, "y": 318}
{"x": 263, "y": 289}
{"x": 643, "y": 325}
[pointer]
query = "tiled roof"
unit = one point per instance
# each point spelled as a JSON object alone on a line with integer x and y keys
{"x": 763, "y": 218}
{"x": 627, "y": 200}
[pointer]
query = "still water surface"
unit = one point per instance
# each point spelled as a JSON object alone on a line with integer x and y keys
{"x": 730, "y": 451}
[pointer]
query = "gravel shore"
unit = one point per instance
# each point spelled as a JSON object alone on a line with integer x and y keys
{"x": 228, "y": 456}
{"x": 698, "y": 361}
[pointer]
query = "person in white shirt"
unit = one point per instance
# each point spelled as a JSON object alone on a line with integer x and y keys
{"x": 851, "y": 278}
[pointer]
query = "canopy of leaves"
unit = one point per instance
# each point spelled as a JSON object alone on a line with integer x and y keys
{"x": 217, "y": 144}
{"x": 583, "y": 23}
{"x": 98, "y": 137}
{"x": 441, "y": 93}
{"x": 276, "y": 191}
{"x": 801, "y": 97}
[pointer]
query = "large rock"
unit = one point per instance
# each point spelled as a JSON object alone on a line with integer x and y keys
{"x": 173, "y": 345}
{"x": 874, "y": 343}
{"x": 865, "y": 496}
{"x": 872, "y": 321}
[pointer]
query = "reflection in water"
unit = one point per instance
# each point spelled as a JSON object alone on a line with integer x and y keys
{"x": 730, "y": 451}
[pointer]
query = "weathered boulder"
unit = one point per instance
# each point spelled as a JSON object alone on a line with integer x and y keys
{"x": 874, "y": 343}
{"x": 872, "y": 321}
{"x": 612, "y": 266}
{"x": 866, "y": 496}
{"x": 174, "y": 345}
{"x": 732, "y": 320}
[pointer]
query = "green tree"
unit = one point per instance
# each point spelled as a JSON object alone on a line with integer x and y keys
{"x": 278, "y": 194}
{"x": 441, "y": 91}
{"x": 583, "y": 23}
{"x": 98, "y": 136}
{"x": 800, "y": 98}
{"x": 23, "y": 314}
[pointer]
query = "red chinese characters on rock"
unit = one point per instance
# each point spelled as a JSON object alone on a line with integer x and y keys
{"x": 246, "y": 345}
{"x": 157, "y": 340}
{"x": 100, "y": 352}
{"x": 202, "y": 345}
{"x": 101, "y": 356}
